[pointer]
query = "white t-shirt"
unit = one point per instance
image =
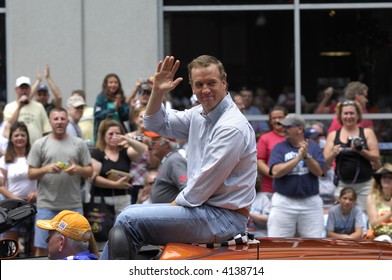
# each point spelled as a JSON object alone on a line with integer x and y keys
{"x": 18, "y": 182}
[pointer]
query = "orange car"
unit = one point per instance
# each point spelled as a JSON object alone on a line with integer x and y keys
{"x": 277, "y": 249}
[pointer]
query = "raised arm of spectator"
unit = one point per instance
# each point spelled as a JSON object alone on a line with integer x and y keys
{"x": 34, "y": 87}
{"x": 328, "y": 92}
{"x": 23, "y": 100}
{"x": 54, "y": 88}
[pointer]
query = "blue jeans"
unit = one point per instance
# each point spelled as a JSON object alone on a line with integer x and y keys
{"x": 41, "y": 234}
{"x": 159, "y": 224}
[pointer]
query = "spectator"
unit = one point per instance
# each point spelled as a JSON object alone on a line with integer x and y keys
{"x": 42, "y": 93}
{"x": 314, "y": 131}
{"x": 86, "y": 122}
{"x": 172, "y": 173}
{"x": 379, "y": 204}
{"x": 287, "y": 99}
{"x": 147, "y": 161}
{"x": 259, "y": 127}
{"x": 221, "y": 180}
{"x": 345, "y": 219}
{"x": 17, "y": 185}
{"x": 141, "y": 94}
{"x": 327, "y": 103}
{"x": 258, "y": 215}
{"x": 295, "y": 165}
{"x": 239, "y": 101}
{"x": 70, "y": 237}
{"x": 75, "y": 110}
{"x": 263, "y": 100}
{"x": 59, "y": 185}
{"x": 28, "y": 111}
{"x": 110, "y": 103}
{"x": 111, "y": 154}
{"x": 144, "y": 193}
{"x": 354, "y": 91}
{"x": 265, "y": 145}
{"x": 355, "y": 150}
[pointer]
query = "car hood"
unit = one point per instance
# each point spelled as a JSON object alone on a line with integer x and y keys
{"x": 285, "y": 249}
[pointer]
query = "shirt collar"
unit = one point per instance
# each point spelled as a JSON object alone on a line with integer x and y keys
{"x": 216, "y": 113}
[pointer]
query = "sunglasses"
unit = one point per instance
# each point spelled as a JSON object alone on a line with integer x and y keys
{"x": 348, "y": 102}
{"x": 290, "y": 126}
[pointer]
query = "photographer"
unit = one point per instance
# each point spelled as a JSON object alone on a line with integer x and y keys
{"x": 28, "y": 111}
{"x": 355, "y": 150}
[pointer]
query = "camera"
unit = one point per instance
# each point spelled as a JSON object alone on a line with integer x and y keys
{"x": 138, "y": 138}
{"x": 25, "y": 102}
{"x": 356, "y": 141}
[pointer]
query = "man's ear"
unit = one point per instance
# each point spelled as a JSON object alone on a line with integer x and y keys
{"x": 63, "y": 242}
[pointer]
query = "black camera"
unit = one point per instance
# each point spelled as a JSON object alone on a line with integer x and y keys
{"x": 25, "y": 102}
{"x": 138, "y": 138}
{"x": 356, "y": 141}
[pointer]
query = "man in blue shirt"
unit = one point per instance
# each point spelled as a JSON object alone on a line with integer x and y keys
{"x": 295, "y": 165}
{"x": 222, "y": 165}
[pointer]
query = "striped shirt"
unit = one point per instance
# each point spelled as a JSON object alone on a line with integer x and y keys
{"x": 222, "y": 163}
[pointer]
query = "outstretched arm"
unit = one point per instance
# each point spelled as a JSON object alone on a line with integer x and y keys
{"x": 163, "y": 83}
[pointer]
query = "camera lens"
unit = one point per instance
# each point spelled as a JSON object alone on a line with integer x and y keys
{"x": 358, "y": 144}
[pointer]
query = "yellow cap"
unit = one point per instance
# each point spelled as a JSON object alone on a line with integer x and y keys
{"x": 69, "y": 223}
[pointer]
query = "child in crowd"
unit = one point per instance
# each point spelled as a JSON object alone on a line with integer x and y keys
{"x": 345, "y": 219}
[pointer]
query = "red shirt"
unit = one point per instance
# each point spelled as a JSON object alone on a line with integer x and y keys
{"x": 264, "y": 147}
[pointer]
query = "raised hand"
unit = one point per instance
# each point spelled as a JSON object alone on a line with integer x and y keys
{"x": 47, "y": 71}
{"x": 164, "y": 76}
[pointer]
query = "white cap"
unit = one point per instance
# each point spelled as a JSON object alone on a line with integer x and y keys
{"x": 76, "y": 101}
{"x": 22, "y": 80}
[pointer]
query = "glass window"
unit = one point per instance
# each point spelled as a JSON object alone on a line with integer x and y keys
{"x": 347, "y": 45}
{"x": 256, "y": 48}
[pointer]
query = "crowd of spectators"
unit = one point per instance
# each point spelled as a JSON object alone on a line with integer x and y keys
{"x": 314, "y": 178}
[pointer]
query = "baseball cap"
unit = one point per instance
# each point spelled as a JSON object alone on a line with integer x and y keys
{"x": 311, "y": 132}
{"x": 42, "y": 87}
{"x": 22, "y": 80}
{"x": 156, "y": 135}
{"x": 69, "y": 223}
{"x": 292, "y": 120}
{"x": 151, "y": 134}
{"x": 76, "y": 101}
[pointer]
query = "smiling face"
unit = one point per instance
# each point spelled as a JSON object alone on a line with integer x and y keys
{"x": 276, "y": 116}
{"x": 42, "y": 97}
{"x": 112, "y": 85}
{"x": 208, "y": 86}
{"x": 19, "y": 138}
{"x": 349, "y": 115}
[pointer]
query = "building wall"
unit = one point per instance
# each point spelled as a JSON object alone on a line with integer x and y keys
{"x": 82, "y": 41}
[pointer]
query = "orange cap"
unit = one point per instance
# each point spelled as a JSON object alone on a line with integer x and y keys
{"x": 151, "y": 134}
{"x": 69, "y": 223}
